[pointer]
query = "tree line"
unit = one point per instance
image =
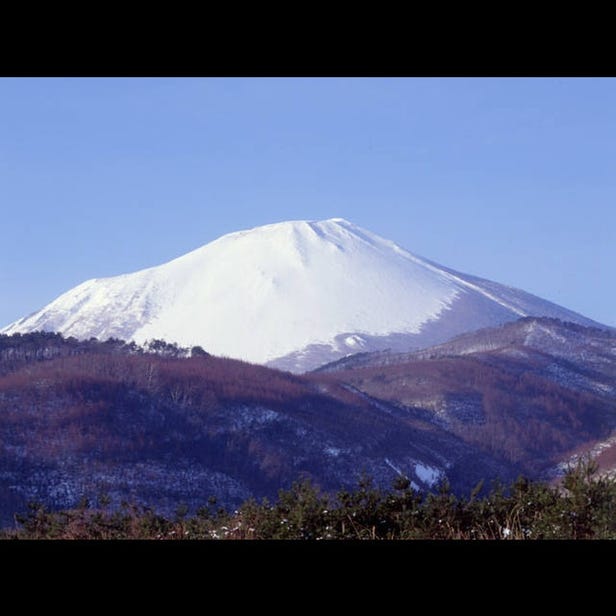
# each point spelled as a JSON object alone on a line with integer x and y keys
{"x": 581, "y": 506}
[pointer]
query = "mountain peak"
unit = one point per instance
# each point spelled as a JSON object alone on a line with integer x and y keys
{"x": 320, "y": 227}
{"x": 295, "y": 294}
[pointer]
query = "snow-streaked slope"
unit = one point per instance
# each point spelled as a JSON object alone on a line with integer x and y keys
{"x": 300, "y": 293}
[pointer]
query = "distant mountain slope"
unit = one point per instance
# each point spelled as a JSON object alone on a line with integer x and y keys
{"x": 293, "y": 295}
{"x": 534, "y": 390}
{"x": 592, "y": 348}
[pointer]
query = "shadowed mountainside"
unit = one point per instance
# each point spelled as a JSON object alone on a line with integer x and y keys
{"x": 532, "y": 390}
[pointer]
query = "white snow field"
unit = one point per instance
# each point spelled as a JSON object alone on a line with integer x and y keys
{"x": 294, "y": 294}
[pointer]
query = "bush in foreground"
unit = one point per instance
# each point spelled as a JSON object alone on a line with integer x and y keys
{"x": 583, "y": 506}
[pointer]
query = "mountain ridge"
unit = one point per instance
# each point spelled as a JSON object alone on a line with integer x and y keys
{"x": 291, "y": 295}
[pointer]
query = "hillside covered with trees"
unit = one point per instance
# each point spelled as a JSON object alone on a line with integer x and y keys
{"x": 164, "y": 427}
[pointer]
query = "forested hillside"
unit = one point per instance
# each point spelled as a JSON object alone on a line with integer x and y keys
{"x": 162, "y": 426}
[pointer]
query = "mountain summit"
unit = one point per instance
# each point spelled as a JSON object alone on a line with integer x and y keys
{"x": 294, "y": 295}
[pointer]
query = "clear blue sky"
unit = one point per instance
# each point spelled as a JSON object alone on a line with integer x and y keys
{"x": 509, "y": 179}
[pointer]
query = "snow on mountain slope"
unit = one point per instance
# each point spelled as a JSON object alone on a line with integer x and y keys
{"x": 293, "y": 294}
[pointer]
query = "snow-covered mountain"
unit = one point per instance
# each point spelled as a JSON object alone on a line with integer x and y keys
{"x": 294, "y": 295}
